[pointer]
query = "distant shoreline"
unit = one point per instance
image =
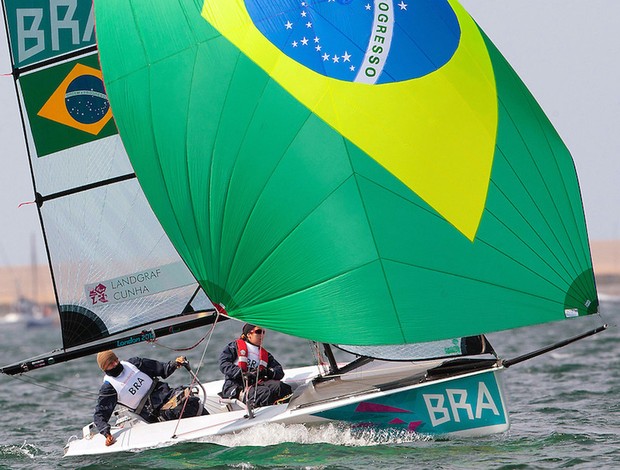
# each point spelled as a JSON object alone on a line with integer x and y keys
{"x": 606, "y": 261}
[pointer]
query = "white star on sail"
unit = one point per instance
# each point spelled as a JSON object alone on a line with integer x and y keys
{"x": 402, "y": 5}
{"x": 288, "y": 25}
{"x": 346, "y": 57}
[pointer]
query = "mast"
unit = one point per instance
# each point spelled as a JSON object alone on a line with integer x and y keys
{"x": 333, "y": 365}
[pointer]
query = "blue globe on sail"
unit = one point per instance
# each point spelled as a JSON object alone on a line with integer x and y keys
{"x": 361, "y": 40}
{"x": 86, "y": 99}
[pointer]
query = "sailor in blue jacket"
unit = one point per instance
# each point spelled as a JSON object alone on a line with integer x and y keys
{"x": 251, "y": 373}
{"x": 134, "y": 384}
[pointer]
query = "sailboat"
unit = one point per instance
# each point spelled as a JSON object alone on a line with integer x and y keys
{"x": 370, "y": 176}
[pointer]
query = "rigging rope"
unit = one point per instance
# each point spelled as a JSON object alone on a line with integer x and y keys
{"x": 195, "y": 374}
{"x": 59, "y": 388}
{"x": 209, "y": 334}
{"x": 155, "y": 342}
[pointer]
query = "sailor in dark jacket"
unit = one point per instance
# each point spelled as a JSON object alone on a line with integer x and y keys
{"x": 134, "y": 384}
{"x": 251, "y": 373}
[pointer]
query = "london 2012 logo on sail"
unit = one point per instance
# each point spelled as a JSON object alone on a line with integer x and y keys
{"x": 365, "y": 41}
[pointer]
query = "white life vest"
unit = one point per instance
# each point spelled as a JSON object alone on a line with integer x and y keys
{"x": 132, "y": 385}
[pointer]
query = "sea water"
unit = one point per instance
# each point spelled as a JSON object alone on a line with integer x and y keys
{"x": 565, "y": 410}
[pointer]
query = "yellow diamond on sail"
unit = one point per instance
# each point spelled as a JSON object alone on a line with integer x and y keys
{"x": 79, "y": 101}
{"x": 436, "y": 133}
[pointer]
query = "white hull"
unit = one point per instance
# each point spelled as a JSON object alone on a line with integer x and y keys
{"x": 457, "y": 405}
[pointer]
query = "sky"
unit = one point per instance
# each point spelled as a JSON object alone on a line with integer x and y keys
{"x": 566, "y": 51}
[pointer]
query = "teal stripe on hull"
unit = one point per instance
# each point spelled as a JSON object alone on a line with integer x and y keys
{"x": 457, "y": 405}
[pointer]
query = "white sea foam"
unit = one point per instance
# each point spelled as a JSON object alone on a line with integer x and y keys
{"x": 26, "y": 450}
{"x": 273, "y": 434}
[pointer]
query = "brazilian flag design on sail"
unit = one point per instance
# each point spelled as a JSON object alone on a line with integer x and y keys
{"x": 327, "y": 166}
{"x": 360, "y": 41}
{"x": 387, "y": 45}
{"x": 67, "y": 105}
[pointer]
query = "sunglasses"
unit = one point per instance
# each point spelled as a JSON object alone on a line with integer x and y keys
{"x": 258, "y": 332}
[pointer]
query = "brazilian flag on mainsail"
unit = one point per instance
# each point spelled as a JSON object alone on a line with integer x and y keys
{"x": 350, "y": 171}
{"x": 67, "y": 105}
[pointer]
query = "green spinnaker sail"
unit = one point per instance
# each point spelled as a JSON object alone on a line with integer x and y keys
{"x": 423, "y": 196}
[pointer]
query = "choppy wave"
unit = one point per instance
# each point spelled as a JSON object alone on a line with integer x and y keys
{"x": 564, "y": 408}
{"x": 9, "y": 452}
